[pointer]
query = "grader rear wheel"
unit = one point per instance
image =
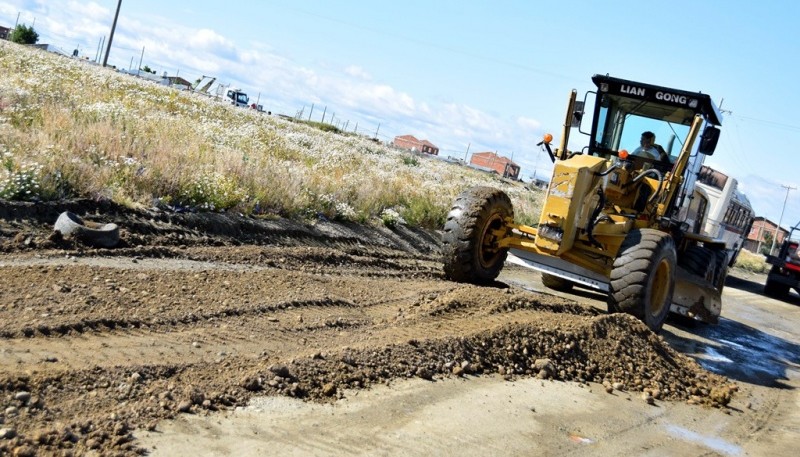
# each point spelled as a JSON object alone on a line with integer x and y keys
{"x": 721, "y": 275}
{"x": 699, "y": 261}
{"x": 469, "y": 241}
{"x": 643, "y": 277}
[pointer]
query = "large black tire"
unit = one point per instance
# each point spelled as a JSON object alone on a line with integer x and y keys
{"x": 557, "y": 283}
{"x": 699, "y": 261}
{"x": 776, "y": 289}
{"x": 721, "y": 274}
{"x": 468, "y": 243}
{"x": 643, "y": 277}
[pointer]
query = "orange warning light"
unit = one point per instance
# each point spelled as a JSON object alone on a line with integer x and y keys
{"x": 623, "y": 154}
{"x": 548, "y": 138}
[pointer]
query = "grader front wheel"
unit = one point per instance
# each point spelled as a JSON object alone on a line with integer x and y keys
{"x": 643, "y": 277}
{"x": 469, "y": 241}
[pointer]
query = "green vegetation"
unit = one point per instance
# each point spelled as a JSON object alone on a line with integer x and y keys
{"x": 23, "y": 34}
{"x": 69, "y": 129}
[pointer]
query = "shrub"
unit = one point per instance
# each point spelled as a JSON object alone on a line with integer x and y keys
{"x": 19, "y": 181}
{"x": 391, "y": 218}
{"x": 411, "y": 161}
{"x": 751, "y": 262}
{"x": 212, "y": 192}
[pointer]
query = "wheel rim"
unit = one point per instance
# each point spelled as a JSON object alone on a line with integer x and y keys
{"x": 489, "y": 252}
{"x": 660, "y": 287}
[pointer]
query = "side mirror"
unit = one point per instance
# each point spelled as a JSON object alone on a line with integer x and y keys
{"x": 708, "y": 142}
{"x": 577, "y": 114}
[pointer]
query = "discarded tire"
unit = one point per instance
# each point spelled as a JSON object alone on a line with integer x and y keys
{"x": 90, "y": 233}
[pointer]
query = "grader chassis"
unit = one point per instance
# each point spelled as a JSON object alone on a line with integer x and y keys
{"x": 612, "y": 221}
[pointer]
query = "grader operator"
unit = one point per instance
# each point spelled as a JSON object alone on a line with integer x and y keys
{"x": 620, "y": 223}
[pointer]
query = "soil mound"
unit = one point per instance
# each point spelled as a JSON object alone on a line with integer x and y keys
{"x": 198, "y": 313}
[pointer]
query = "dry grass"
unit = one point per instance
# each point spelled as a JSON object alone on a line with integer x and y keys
{"x": 72, "y": 129}
{"x": 754, "y": 263}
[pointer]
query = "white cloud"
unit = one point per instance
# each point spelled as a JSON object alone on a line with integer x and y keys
{"x": 357, "y": 72}
{"x": 89, "y": 11}
{"x": 529, "y": 124}
{"x": 767, "y": 198}
{"x": 209, "y": 40}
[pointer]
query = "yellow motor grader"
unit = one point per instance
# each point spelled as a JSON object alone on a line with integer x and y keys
{"x": 615, "y": 219}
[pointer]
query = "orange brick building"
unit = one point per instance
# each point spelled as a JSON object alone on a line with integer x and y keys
{"x": 502, "y": 165}
{"x": 412, "y": 144}
{"x": 758, "y": 234}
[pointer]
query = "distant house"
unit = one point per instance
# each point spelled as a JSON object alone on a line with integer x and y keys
{"x": 4, "y": 32}
{"x": 763, "y": 230}
{"x": 179, "y": 82}
{"x": 540, "y": 183}
{"x": 412, "y": 144}
{"x": 502, "y": 165}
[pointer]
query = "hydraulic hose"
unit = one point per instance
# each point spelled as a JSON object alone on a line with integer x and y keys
{"x": 659, "y": 176}
{"x": 590, "y": 225}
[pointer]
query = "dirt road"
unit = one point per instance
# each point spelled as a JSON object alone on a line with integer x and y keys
{"x": 216, "y": 335}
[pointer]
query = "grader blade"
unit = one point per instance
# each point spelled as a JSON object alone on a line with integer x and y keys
{"x": 696, "y": 298}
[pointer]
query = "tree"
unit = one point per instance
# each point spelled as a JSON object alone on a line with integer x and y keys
{"x": 23, "y": 34}
{"x": 767, "y": 239}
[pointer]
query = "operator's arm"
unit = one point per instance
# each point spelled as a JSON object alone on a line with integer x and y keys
{"x": 662, "y": 154}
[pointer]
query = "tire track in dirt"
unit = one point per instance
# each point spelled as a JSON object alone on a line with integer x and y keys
{"x": 104, "y": 342}
{"x": 201, "y": 317}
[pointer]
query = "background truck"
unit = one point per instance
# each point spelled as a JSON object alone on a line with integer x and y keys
{"x": 612, "y": 221}
{"x": 785, "y": 272}
{"x": 234, "y": 96}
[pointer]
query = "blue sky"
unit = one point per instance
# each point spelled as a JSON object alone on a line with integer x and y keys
{"x": 488, "y": 76}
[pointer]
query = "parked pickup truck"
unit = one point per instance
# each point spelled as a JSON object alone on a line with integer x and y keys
{"x": 785, "y": 272}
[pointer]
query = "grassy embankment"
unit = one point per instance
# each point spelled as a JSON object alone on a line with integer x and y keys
{"x": 70, "y": 129}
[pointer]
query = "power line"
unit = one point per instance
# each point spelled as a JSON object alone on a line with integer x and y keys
{"x": 768, "y": 122}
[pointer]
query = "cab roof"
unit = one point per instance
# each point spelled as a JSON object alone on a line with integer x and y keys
{"x": 698, "y": 102}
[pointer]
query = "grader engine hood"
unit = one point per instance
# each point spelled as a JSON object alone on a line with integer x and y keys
{"x": 571, "y": 197}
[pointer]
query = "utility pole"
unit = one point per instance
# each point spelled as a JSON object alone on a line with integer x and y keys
{"x": 140, "y": 62}
{"x": 310, "y": 111}
{"x": 99, "y": 49}
{"x": 774, "y": 238}
{"x": 467, "y": 153}
{"x": 376, "y": 131}
{"x": 111, "y": 36}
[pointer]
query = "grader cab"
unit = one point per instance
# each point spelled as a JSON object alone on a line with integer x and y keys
{"x": 618, "y": 216}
